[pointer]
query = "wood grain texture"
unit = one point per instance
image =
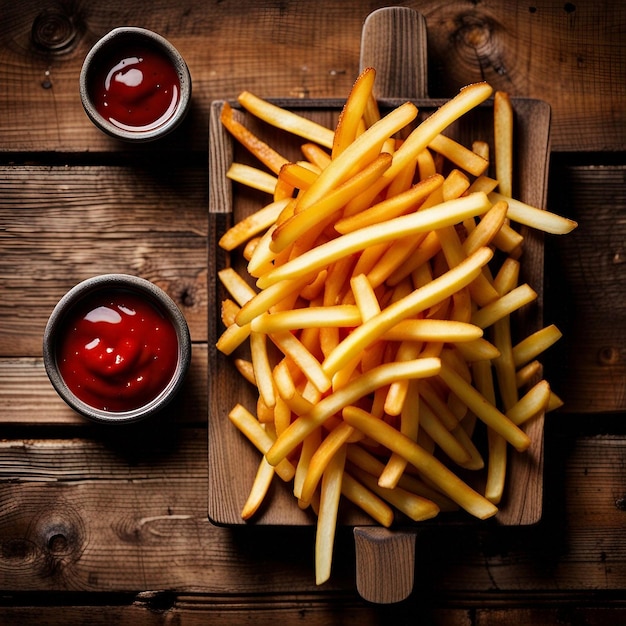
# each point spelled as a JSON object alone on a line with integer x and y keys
{"x": 570, "y": 54}
{"x": 149, "y": 216}
{"x": 27, "y": 397}
{"x": 585, "y": 287}
{"x": 68, "y": 524}
{"x": 110, "y": 526}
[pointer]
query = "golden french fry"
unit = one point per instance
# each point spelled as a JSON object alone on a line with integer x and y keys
{"x": 315, "y": 155}
{"x": 237, "y": 286}
{"x": 353, "y": 111}
{"x": 503, "y": 140}
{"x": 252, "y": 177}
{"x": 504, "y": 305}
{"x": 539, "y": 219}
{"x": 269, "y": 157}
{"x": 365, "y": 499}
{"x": 252, "y": 225}
{"x": 260, "y": 487}
{"x": 533, "y": 345}
{"x": 262, "y": 368}
{"x": 458, "y": 154}
{"x": 327, "y": 517}
{"x": 286, "y": 120}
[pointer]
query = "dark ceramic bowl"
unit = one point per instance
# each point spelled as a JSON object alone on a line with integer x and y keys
{"x": 157, "y": 306}
{"x": 141, "y": 72}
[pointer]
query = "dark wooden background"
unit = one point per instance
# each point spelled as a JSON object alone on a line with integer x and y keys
{"x": 109, "y": 525}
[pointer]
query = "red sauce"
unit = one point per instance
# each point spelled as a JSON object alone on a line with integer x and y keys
{"x": 136, "y": 89}
{"x": 118, "y": 352}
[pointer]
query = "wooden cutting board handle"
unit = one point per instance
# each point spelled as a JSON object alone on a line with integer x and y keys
{"x": 393, "y": 42}
{"x": 385, "y": 563}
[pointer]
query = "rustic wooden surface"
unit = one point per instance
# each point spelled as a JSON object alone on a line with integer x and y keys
{"x": 110, "y": 526}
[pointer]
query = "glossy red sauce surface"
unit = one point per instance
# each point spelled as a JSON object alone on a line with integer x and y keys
{"x": 135, "y": 88}
{"x": 117, "y": 351}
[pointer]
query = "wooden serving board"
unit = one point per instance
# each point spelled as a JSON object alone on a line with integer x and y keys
{"x": 393, "y": 42}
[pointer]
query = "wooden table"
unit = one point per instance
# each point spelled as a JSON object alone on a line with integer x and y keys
{"x": 109, "y": 525}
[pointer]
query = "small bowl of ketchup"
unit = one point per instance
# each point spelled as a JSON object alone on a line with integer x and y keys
{"x": 134, "y": 85}
{"x": 116, "y": 348}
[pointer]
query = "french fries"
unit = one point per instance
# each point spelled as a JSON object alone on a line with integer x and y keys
{"x": 376, "y": 319}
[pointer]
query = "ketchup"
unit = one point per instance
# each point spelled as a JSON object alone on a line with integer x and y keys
{"x": 117, "y": 352}
{"x": 136, "y": 88}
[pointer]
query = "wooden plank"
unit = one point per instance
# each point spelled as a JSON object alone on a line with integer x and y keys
{"x": 126, "y": 512}
{"x": 585, "y": 286}
{"x": 27, "y": 397}
{"x": 570, "y": 54}
{"x": 148, "y": 217}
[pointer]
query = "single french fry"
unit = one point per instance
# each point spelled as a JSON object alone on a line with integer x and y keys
{"x": 353, "y": 111}
{"x": 245, "y": 368}
{"x": 252, "y": 177}
{"x": 260, "y": 487}
{"x": 503, "y": 139}
{"x": 252, "y": 225}
{"x": 286, "y": 120}
{"x": 433, "y": 330}
{"x": 504, "y": 305}
{"x": 531, "y": 404}
{"x": 339, "y": 315}
{"x": 262, "y": 367}
{"x": 232, "y": 338}
{"x": 539, "y": 219}
{"x": 268, "y": 156}
{"x": 458, "y": 154}
{"x": 487, "y": 228}
{"x": 309, "y": 446}
{"x": 237, "y": 286}
{"x": 315, "y": 154}
{"x": 527, "y": 373}
{"x": 532, "y": 346}
{"x": 327, "y": 517}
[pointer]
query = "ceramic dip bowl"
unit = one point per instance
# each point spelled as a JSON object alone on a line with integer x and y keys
{"x": 116, "y": 348}
{"x": 134, "y": 85}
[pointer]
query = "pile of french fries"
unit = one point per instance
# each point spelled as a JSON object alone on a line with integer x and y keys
{"x": 382, "y": 275}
